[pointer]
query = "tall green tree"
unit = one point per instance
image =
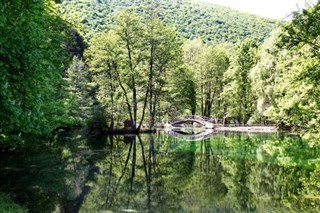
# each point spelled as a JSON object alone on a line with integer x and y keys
{"x": 214, "y": 64}
{"x": 104, "y": 61}
{"x": 265, "y": 76}
{"x": 286, "y": 93}
{"x": 33, "y": 56}
{"x": 77, "y": 78}
{"x": 303, "y": 29}
{"x": 131, "y": 39}
{"x": 287, "y": 74}
{"x": 164, "y": 57}
{"x": 134, "y": 59}
{"x": 208, "y": 64}
{"x": 182, "y": 98}
{"x": 239, "y": 99}
{"x": 192, "y": 52}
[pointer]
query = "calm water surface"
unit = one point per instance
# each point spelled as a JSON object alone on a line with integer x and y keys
{"x": 227, "y": 172}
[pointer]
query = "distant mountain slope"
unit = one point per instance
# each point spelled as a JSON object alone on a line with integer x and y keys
{"x": 214, "y": 24}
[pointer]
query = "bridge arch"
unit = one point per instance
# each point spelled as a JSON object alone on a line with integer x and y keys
{"x": 204, "y": 121}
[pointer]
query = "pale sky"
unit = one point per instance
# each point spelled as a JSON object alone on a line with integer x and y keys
{"x": 277, "y": 9}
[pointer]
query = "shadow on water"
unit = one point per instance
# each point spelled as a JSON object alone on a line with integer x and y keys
{"x": 227, "y": 172}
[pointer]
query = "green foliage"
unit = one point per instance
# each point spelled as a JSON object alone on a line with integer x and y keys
{"x": 102, "y": 59}
{"x": 238, "y": 96}
{"x": 311, "y": 184}
{"x": 192, "y": 51}
{"x": 264, "y": 75}
{"x": 33, "y": 56}
{"x": 8, "y": 206}
{"x": 136, "y": 65}
{"x": 286, "y": 76}
{"x": 214, "y": 64}
{"x": 214, "y": 24}
{"x": 164, "y": 58}
{"x": 303, "y": 29}
{"x": 182, "y": 98}
{"x": 77, "y": 78}
{"x": 130, "y": 64}
{"x": 208, "y": 65}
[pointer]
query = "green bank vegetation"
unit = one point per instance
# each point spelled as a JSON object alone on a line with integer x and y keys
{"x": 8, "y": 206}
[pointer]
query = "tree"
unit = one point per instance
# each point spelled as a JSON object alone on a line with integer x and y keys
{"x": 32, "y": 62}
{"x": 77, "y": 78}
{"x": 104, "y": 61}
{"x": 130, "y": 32}
{"x": 265, "y": 75}
{"x": 134, "y": 63}
{"x": 285, "y": 79}
{"x": 208, "y": 64}
{"x": 192, "y": 50}
{"x": 295, "y": 96}
{"x": 301, "y": 38}
{"x": 182, "y": 92}
{"x": 303, "y": 29}
{"x": 214, "y": 64}
{"x": 163, "y": 56}
{"x": 238, "y": 95}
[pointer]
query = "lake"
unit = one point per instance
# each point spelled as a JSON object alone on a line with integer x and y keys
{"x": 225, "y": 172}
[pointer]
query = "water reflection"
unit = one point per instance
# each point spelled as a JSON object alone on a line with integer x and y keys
{"x": 159, "y": 173}
{"x": 191, "y": 134}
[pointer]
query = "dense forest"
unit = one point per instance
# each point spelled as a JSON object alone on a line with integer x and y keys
{"x": 212, "y": 23}
{"x": 110, "y": 65}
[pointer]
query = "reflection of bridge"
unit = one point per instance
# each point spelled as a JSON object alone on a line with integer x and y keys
{"x": 207, "y": 133}
{"x": 209, "y": 123}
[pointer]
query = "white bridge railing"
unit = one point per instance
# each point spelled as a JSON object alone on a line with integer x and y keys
{"x": 204, "y": 121}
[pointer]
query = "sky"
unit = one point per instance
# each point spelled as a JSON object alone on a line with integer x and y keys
{"x": 277, "y": 9}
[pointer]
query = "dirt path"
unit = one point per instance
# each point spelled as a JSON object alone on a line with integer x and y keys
{"x": 247, "y": 129}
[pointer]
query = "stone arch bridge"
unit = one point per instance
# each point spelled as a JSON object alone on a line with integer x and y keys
{"x": 208, "y": 123}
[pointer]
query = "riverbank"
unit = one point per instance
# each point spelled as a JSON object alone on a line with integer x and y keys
{"x": 247, "y": 129}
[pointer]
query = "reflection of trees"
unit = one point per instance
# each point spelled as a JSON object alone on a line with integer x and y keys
{"x": 158, "y": 173}
{"x": 205, "y": 189}
{"x": 136, "y": 177}
{"x": 50, "y": 180}
{"x": 35, "y": 181}
{"x": 250, "y": 179}
{"x": 231, "y": 173}
{"x": 267, "y": 182}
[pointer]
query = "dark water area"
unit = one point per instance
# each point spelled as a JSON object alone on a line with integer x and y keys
{"x": 226, "y": 172}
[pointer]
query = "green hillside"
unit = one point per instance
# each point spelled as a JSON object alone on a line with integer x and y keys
{"x": 214, "y": 24}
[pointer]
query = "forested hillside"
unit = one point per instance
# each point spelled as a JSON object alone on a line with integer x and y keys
{"x": 213, "y": 24}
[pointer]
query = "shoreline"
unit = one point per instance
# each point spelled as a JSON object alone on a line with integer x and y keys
{"x": 268, "y": 129}
{"x": 258, "y": 129}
